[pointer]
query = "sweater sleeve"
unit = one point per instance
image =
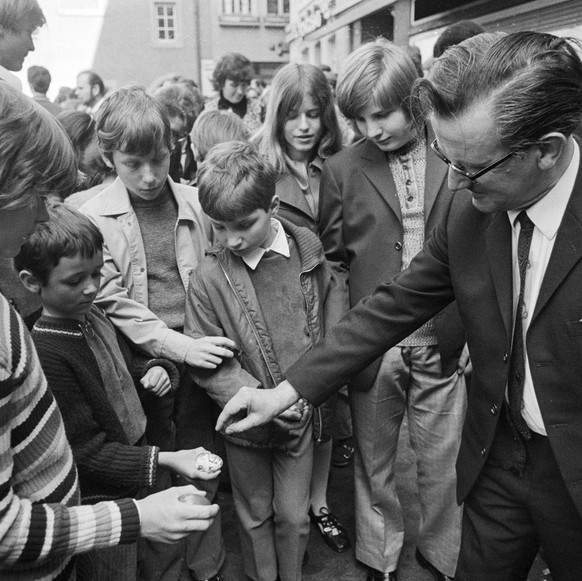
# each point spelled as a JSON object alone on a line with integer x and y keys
{"x": 40, "y": 526}
{"x": 99, "y": 455}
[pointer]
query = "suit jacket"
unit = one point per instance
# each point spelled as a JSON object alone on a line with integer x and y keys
{"x": 469, "y": 259}
{"x": 362, "y": 233}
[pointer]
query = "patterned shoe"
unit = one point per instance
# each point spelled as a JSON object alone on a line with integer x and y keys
{"x": 333, "y": 533}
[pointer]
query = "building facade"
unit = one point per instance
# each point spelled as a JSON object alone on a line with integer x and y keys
{"x": 326, "y": 31}
{"x": 137, "y": 41}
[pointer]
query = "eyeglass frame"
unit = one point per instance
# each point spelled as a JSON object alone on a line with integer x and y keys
{"x": 474, "y": 176}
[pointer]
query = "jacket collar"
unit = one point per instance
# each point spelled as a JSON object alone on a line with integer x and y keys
{"x": 308, "y": 245}
{"x": 114, "y": 201}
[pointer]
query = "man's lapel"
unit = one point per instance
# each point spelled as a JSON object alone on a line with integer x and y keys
{"x": 567, "y": 249}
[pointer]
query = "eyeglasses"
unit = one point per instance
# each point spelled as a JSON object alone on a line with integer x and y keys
{"x": 471, "y": 176}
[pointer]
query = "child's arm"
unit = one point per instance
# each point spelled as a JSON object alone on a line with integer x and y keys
{"x": 187, "y": 463}
{"x": 97, "y": 456}
{"x": 202, "y": 318}
{"x": 143, "y": 328}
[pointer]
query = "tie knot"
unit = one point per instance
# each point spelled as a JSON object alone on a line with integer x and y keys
{"x": 524, "y": 220}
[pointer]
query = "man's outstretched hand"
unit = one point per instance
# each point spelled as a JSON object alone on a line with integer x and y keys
{"x": 254, "y": 407}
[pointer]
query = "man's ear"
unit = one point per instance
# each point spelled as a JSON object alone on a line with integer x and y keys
{"x": 551, "y": 147}
{"x": 30, "y": 282}
{"x": 275, "y": 204}
{"x": 95, "y": 90}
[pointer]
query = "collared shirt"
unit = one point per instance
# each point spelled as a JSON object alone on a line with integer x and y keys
{"x": 280, "y": 245}
{"x": 308, "y": 176}
{"x": 546, "y": 215}
{"x": 10, "y": 78}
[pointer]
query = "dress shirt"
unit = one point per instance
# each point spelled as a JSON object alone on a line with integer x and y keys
{"x": 280, "y": 245}
{"x": 546, "y": 215}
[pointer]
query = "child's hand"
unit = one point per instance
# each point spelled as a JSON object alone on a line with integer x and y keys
{"x": 156, "y": 381}
{"x": 209, "y": 352}
{"x": 191, "y": 464}
{"x": 293, "y": 417}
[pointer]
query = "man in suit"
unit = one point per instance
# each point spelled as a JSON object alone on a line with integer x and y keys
{"x": 380, "y": 198}
{"x": 503, "y": 111}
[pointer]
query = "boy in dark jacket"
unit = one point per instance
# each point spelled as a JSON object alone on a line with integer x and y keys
{"x": 91, "y": 373}
{"x": 267, "y": 287}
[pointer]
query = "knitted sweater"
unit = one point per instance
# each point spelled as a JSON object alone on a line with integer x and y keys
{"x": 40, "y": 525}
{"x": 109, "y": 466}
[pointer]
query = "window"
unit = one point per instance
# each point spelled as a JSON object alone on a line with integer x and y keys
{"x": 237, "y": 6}
{"x": 277, "y": 7}
{"x": 165, "y": 15}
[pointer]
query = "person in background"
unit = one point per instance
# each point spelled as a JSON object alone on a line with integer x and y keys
{"x": 231, "y": 78}
{"x": 43, "y": 527}
{"x": 80, "y": 127}
{"x": 183, "y": 102}
{"x": 90, "y": 91}
{"x": 39, "y": 80}
{"x": 455, "y": 34}
{"x": 66, "y": 99}
{"x": 503, "y": 109}
{"x": 347, "y": 128}
{"x": 300, "y": 131}
{"x": 214, "y": 127}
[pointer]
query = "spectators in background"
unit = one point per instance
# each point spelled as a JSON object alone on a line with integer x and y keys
{"x": 231, "y": 78}
{"x": 214, "y": 127}
{"x": 90, "y": 91}
{"x": 67, "y": 99}
{"x": 183, "y": 103}
{"x": 95, "y": 174}
{"x": 39, "y": 80}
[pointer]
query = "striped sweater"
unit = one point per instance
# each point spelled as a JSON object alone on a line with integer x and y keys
{"x": 41, "y": 524}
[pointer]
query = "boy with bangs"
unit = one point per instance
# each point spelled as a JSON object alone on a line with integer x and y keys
{"x": 267, "y": 286}
{"x": 93, "y": 375}
{"x": 154, "y": 237}
{"x": 381, "y": 198}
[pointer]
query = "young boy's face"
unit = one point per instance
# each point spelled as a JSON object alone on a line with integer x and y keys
{"x": 143, "y": 175}
{"x": 247, "y": 233}
{"x": 72, "y": 286}
{"x": 388, "y": 129}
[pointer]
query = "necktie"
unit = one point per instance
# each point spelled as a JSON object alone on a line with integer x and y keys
{"x": 517, "y": 361}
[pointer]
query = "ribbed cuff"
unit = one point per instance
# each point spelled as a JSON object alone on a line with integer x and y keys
{"x": 130, "y": 520}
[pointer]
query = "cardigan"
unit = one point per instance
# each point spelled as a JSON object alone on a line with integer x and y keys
{"x": 40, "y": 525}
{"x": 109, "y": 466}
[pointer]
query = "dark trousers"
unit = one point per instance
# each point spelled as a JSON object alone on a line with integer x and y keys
{"x": 510, "y": 513}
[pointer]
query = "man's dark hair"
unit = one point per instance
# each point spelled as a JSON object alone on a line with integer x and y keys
{"x": 530, "y": 81}
{"x": 39, "y": 79}
{"x": 67, "y": 233}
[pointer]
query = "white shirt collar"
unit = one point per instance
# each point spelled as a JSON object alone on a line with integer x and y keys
{"x": 548, "y": 212}
{"x": 10, "y": 78}
{"x": 279, "y": 245}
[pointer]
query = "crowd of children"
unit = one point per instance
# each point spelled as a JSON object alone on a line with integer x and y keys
{"x": 221, "y": 248}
